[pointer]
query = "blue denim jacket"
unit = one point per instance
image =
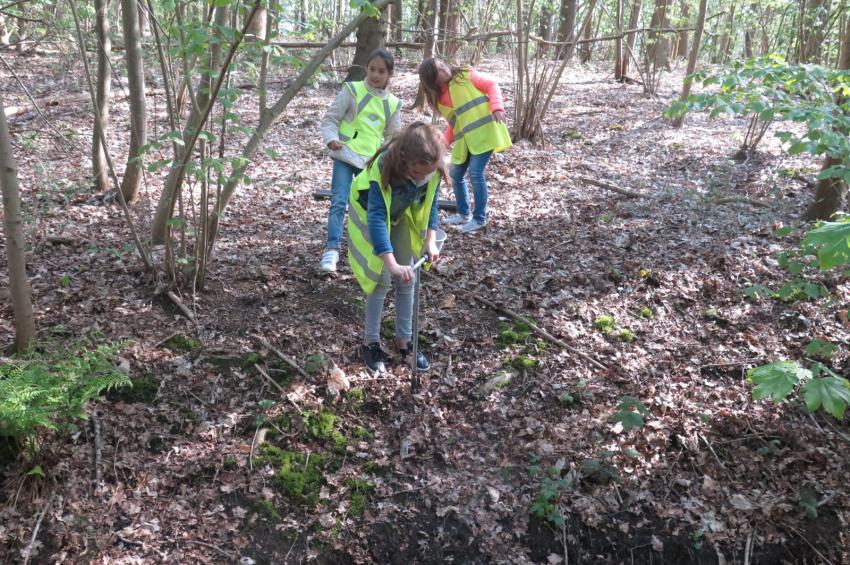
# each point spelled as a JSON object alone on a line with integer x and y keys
{"x": 404, "y": 193}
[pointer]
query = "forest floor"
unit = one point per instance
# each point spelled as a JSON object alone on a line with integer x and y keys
{"x": 508, "y": 453}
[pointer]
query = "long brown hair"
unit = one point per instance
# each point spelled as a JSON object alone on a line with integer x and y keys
{"x": 417, "y": 144}
{"x": 428, "y": 79}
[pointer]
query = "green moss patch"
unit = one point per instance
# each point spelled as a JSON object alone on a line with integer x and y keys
{"x": 143, "y": 389}
{"x": 300, "y": 476}
{"x": 182, "y": 344}
{"x": 361, "y": 494}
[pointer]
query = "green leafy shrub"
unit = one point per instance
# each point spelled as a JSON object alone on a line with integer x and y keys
{"x": 630, "y": 413}
{"x": 49, "y": 391}
{"x": 778, "y": 380}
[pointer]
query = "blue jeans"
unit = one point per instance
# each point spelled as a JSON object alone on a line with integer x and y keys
{"x": 343, "y": 174}
{"x": 475, "y": 165}
{"x": 403, "y": 252}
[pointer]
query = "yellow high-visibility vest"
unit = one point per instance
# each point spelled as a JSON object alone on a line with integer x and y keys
{"x": 361, "y": 255}
{"x": 366, "y": 131}
{"x": 475, "y": 129}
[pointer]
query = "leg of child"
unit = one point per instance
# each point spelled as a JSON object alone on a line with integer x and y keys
{"x": 375, "y": 308}
{"x": 400, "y": 239}
{"x": 343, "y": 173}
{"x": 476, "y": 165}
{"x": 457, "y": 173}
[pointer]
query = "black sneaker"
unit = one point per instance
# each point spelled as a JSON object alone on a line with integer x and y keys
{"x": 422, "y": 363}
{"x": 373, "y": 356}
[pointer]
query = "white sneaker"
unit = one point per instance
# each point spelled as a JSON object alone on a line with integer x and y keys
{"x": 456, "y": 220}
{"x": 329, "y": 261}
{"x": 472, "y": 225}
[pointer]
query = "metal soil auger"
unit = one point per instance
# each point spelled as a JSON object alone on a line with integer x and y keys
{"x": 415, "y": 381}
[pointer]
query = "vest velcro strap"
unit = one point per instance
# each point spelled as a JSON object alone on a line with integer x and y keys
{"x": 364, "y": 102}
{"x": 476, "y": 124}
{"x": 471, "y": 104}
{"x": 453, "y": 121}
{"x": 364, "y": 264}
{"x": 364, "y": 229}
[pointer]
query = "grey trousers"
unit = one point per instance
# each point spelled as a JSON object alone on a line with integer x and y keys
{"x": 400, "y": 239}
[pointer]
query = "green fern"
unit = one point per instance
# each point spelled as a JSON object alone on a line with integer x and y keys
{"x": 49, "y": 391}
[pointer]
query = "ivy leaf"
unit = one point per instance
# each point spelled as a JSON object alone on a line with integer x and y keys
{"x": 831, "y": 393}
{"x": 776, "y": 380}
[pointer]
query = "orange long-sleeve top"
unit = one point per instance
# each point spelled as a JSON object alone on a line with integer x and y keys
{"x": 486, "y": 85}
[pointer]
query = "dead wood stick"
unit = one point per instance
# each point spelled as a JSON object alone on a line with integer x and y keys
{"x": 611, "y": 187}
{"x": 29, "y": 547}
{"x": 742, "y": 200}
{"x": 179, "y": 303}
{"x": 97, "y": 450}
{"x": 520, "y": 318}
{"x": 289, "y": 361}
{"x": 227, "y": 554}
{"x": 268, "y": 378}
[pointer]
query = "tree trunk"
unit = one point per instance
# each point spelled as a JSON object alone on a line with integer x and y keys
{"x": 567, "y": 28}
{"x": 587, "y": 32}
{"x": 450, "y": 23}
{"x": 138, "y": 115}
{"x": 618, "y": 43}
{"x": 396, "y": 17}
{"x": 728, "y": 37}
{"x": 370, "y": 36}
{"x": 258, "y": 24}
{"x": 813, "y": 25}
{"x": 100, "y": 169}
{"x": 657, "y": 45}
{"x": 16, "y": 257}
{"x": 634, "y": 17}
{"x": 142, "y": 15}
{"x": 685, "y": 17}
{"x": 431, "y": 37}
{"x": 829, "y": 193}
{"x": 692, "y": 59}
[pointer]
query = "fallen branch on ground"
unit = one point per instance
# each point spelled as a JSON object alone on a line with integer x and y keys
{"x": 289, "y": 361}
{"x": 28, "y": 551}
{"x": 176, "y": 300}
{"x": 520, "y": 318}
{"x": 616, "y": 189}
{"x": 742, "y": 200}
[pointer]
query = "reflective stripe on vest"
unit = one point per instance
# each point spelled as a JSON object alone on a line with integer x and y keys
{"x": 365, "y": 265}
{"x": 364, "y": 133}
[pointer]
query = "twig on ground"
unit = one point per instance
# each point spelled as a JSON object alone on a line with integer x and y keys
{"x": 802, "y": 537}
{"x": 224, "y": 552}
{"x": 840, "y": 434}
{"x": 179, "y": 303}
{"x": 413, "y": 489}
{"x": 741, "y": 200}
{"x": 271, "y": 380}
{"x": 607, "y": 186}
{"x": 518, "y": 317}
{"x": 97, "y": 451}
{"x": 283, "y": 357}
{"x": 711, "y": 449}
{"x": 28, "y": 551}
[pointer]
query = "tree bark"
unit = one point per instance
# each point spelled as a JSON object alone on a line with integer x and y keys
{"x": 829, "y": 193}
{"x": 692, "y": 59}
{"x": 100, "y": 169}
{"x": 370, "y": 36}
{"x": 19, "y": 286}
{"x": 587, "y": 33}
{"x": 138, "y": 113}
{"x": 682, "y": 46}
{"x": 618, "y": 43}
{"x": 658, "y": 46}
{"x": 431, "y": 36}
{"x": 567, "y": 27}
{"x": 396, "y": 17}
{"x": 631, "y": 37}
{"x": 450, "y": 24}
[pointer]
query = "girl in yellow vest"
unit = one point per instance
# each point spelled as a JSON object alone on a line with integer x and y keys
{"x": 393, "y": 219}
{"x": 353, "y": 129}
{"x": 472, "y": 105}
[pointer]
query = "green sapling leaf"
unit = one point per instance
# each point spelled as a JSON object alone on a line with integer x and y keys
{"x": 777, "y": 380}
